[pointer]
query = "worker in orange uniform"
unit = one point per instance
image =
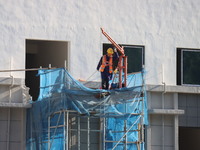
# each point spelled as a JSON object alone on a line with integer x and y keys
{"x": 106, "y": 67}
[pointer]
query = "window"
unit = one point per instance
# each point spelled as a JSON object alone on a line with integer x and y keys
{"x": 135, "y": 56}
{"x": 188, "y": 66}
{"x": 42, "y": 53}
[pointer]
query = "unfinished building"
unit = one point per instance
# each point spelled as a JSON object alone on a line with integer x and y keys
{"x": 159, "y": 36}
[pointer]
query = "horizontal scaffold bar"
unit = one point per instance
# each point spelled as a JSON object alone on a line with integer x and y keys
{"x": 31, "y": 69}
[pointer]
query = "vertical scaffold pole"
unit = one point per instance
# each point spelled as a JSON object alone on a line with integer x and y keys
{"x": 49, "y": 131}
{"x": 120, "y": 71}
{"x": 139, "y": 132}
{"x": 104, "y": 133}
{"x": 125, "y": 70}
{"x": 125, "y": 137}
{"x": 79, "y": 134}
{"x": 143, "y": 105}
{"x": 32, "y": 132}
{"x": 67, "y": 126}
{"x": 125, "y": 129}
{"x": 88, "y": 132}
{"x": 64, "y": 130}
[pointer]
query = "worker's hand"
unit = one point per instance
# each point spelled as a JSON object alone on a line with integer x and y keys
{"x": 115, "y": 71}
{"x": 115, "y": 50}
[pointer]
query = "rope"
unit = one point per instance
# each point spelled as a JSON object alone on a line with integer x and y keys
{"x": 91, "y": 76}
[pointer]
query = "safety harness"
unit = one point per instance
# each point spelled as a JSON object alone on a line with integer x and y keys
{"x": 107, "y": 63}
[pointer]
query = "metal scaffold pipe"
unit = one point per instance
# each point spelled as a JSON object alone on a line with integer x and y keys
{"x": 31, "y": 69}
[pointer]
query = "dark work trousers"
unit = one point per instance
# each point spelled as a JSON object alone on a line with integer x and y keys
{"x": 105, "y": 78}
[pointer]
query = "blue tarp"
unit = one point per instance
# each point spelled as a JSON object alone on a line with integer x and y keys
{"x": 59, "y": 91}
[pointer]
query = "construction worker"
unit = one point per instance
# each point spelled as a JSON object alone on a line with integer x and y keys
{"x": 106, "y": 66}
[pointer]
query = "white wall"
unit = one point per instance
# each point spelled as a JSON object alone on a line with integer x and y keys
{"x": 12, "y": 128}
{"x": 159, "y": 25}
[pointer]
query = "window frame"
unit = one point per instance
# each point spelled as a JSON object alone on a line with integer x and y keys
{"x": 180, "y": 66}
{"x": 108, "y": 45}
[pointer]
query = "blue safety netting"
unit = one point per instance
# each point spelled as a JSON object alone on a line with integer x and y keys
{"x": 59, "y": 91}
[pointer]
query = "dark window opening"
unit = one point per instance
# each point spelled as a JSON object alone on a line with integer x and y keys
{"x": 189, "y": 138}
{"x": 135, "y": 56}
{"x": 40, "y": 53}
{"x": 188, "y": 70}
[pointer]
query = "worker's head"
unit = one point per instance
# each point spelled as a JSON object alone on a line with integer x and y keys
{"x": 110, "y": 51}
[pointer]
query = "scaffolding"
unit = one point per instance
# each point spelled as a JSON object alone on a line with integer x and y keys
{"x": 69, "y": 116}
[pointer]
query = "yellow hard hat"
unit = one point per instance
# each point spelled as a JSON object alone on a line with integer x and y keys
{"x": 110, "y": 51}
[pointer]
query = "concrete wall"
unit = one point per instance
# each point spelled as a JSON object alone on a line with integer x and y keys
{"x": 163, "y": 121}
{"x": 160, "y": 26}
{"x": 173, "y": 117}
{"x": 12, "y": 129}
{"x": 14, "y": 100}
{"x": 162, "y": 129}
{"x": 190, "y": 103}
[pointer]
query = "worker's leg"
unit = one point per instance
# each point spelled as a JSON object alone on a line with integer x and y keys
{"x": 103, "y": 83}
{"x": 108, "y": 79}
{"x": 107, "y": 83}
{"x": 105, "y": 78}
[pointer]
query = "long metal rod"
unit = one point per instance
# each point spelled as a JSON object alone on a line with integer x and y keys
{"x": 67, "y": 127}
{"x": 79, "y": 134}
{"x": 86, "y": 130}
{"x": 142, "y": 120}
{"x": 32, "y": 132}
{"x": 88, "y": 137}
{"x": 8, "y": 131}
{"x": 125, "y": 70}
{"x": 49, "y": 131}
{"x": 120, "y": 49}
{"x": 57, "y": 112}
{"x": 128, "y": 142}
{"x": 120, "y": 71}
{"x": 64, "y": 129}
{"x": 104, "y": 133}
{"x": 138, "y": 143}
{"x": 125, "y": 129}
{"x": 31, "y": 69}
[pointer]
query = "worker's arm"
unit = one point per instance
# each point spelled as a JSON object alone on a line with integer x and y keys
{"x": 115, "y": 55}
{"x": 115, "y": 59}
{"x": 99, "y": 64}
